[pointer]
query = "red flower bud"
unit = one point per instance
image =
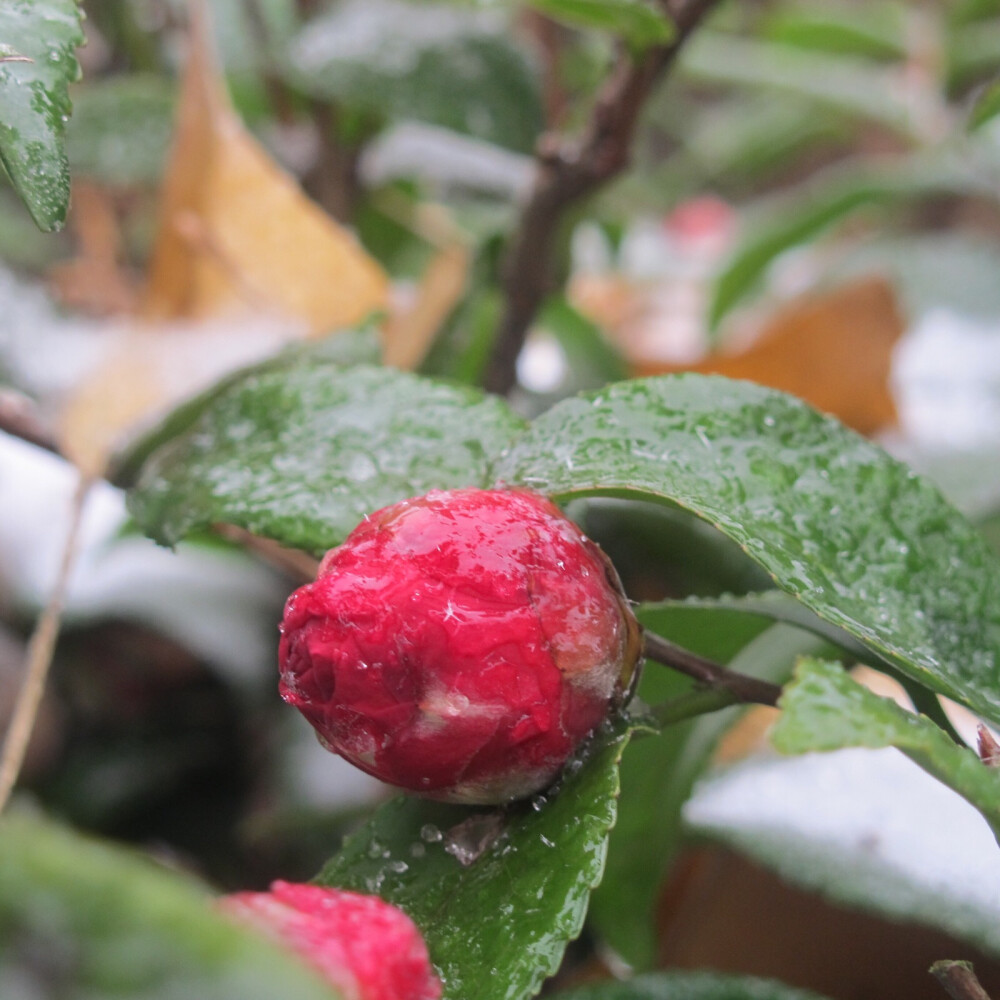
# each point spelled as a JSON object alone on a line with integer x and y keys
{"x": 364, "y": 947}
{"x": 460, "y": 645}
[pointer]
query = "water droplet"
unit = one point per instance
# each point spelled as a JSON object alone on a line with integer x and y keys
{"x": 430, "y": 833}
{"x": 398, "y": 867}
{"x": 538, "y": 802}
{"x": 417, "y": 850}
{"x": 375, "y": 849}
{"x": 545, "y": 840}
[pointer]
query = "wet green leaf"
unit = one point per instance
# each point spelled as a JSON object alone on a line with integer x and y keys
{"x": 853, "y": 534}
{"x": 638, "y": 23}
{"x": 302, "y": 454}
{"x": 689, "y": 986}
{"x": 90, "y": 920}
{"x": 824, "y": 709}
{"x": 342, "y": 349}
{"x": 34, "y": 101}
{"x": 497, "y": 926}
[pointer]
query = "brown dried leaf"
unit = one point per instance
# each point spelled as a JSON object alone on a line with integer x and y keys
{"x": 833, "y": 350}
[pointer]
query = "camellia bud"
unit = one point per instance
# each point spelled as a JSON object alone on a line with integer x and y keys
{"x": 364, "y": 947}
{"x": 460, "y": 645}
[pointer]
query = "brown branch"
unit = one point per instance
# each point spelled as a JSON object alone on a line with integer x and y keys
{"x": 334, "y": 180}
{"x": 569, "y": 169}
{"x": 741, "y": 688}
{"x": 958, "y": 980}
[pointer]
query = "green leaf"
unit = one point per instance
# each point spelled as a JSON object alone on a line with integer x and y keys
{"x": 34, "y": 101}
{"x": 302, "y": 454}
{"x": 497, "y": 927}
{"x": 824, "y": 709}
{"x": 429, "y": 61}
{"x": 986, "y": 108}
{"x": 657, "y": 774}
{"x": 114, "y": 924}
{"x": 875, "y": 31}
{"x": 121, "y": 129}
{"x": 689, "y": 986}
{"x": 639, "y": 24}
{"x": 342, "y": 349}
{"x": 853, "y": 534}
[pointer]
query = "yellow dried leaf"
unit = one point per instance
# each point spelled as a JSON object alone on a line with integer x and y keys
{"x": 237, "y": 234}
{"x": 408, "y": 334}
{"x": 833, "y": 350}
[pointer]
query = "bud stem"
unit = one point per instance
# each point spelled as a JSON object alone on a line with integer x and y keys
{"x": 737, "y": 688}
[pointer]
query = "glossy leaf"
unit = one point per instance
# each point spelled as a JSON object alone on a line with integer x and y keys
{"x": 853, "y": 534}
{"x": 639, "y": 24}
{"x": 430, "y": 62}
{"x": 689, "y": 986}
{"x": 658, "y": 773}
{"x": 343, "y": 349}
{"x": 824, "y": 709}
{"x": 302, "y": 455}
{"x": 42, "y": 35}
{"x": 497, "y": 926}
{"x": 114, "y": 924}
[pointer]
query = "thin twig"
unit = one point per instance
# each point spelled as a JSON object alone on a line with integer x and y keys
{"x": 39, "y": 656}
{"x": 742, "y": 689}
{"x": 569, "y": 169}
{"x": 294, "y": 563}
{"x": 958, "y": 980}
